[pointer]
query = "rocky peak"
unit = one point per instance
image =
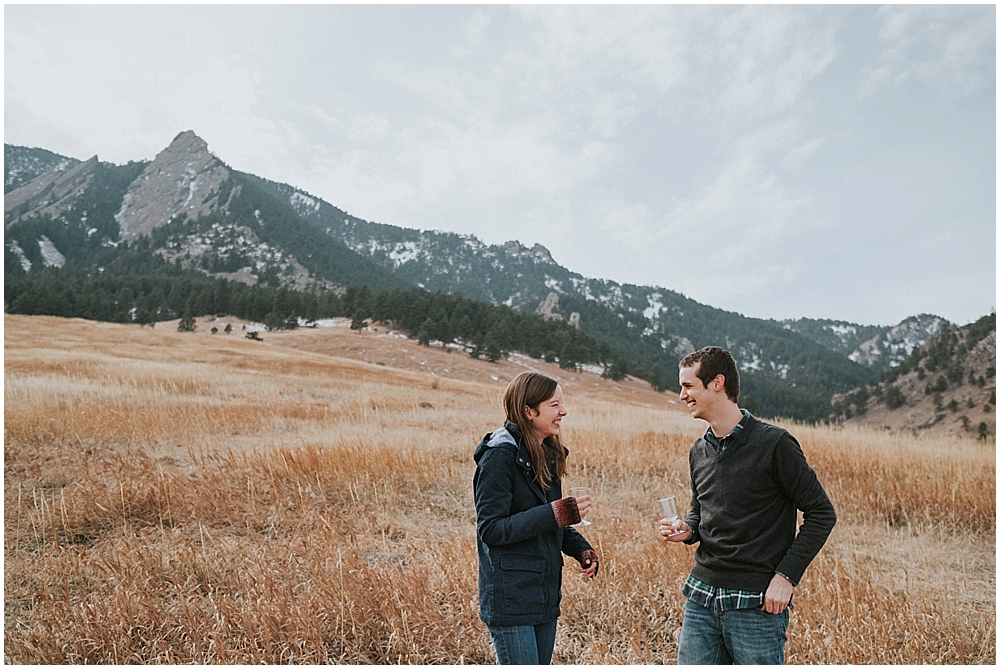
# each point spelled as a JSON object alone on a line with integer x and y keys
{"x": 547, "y": 308}
{"x": 541, "y": 253}
{"x": 183, "y": 178}
{"x": 895, "y": 345}
{"x": 537, "y": 252}
{"x": 50, "y": 194}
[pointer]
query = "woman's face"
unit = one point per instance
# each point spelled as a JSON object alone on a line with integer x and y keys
{"x": 546, "y": 419}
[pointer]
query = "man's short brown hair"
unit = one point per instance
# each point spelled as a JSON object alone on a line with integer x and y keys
{"x": 715, "y": 360}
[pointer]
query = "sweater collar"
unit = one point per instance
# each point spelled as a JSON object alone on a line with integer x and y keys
{"x": 721, "y": 443}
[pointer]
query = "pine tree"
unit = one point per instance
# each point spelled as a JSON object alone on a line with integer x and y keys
{"x": 656, "y": 379}
{"x": 498, "y": 340}
{"x": 617, "y": 371}
{"x": 187, "y": 323}
{"x": 425, "y": 333}
{"x": 894, "y": 398}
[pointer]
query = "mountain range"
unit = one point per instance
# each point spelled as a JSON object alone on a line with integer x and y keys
{"x": 947, "y": 385}
{"x": 197, "y": 217}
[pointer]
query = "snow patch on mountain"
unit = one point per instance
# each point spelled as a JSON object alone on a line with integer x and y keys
{"x": 19, "y": 252}
{"x": 844, "y": 330}
{"x": 300, "y": 201}
{"x": 655, "y": 305}
{"x": 898, "y": 342}
{"x": 404, "y": 253}
{"x": 50, "y": 254}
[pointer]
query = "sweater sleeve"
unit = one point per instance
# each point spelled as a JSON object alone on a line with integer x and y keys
{"x": 574, "y": 544}
{"x": 494, "y": 492}
{"x": 800, "y": 483}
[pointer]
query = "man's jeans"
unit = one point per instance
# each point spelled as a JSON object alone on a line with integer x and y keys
{"x": 524, "y": 644}
{"x": 743, "y": 636}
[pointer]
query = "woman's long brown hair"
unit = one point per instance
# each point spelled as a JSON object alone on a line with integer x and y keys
{"x": 530, "y": 389}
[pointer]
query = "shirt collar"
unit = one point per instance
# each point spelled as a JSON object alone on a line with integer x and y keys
{"x": 717, "y": 441}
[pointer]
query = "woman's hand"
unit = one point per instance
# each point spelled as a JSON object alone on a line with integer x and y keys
{"x": 588, "y": 563}
{"x": 583, "y": 504}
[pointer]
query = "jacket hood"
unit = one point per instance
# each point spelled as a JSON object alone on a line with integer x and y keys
{"x": 508, "y": 434}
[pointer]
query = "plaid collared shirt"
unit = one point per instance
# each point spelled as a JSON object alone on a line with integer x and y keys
{"x": 721, "y": 444}
{"x": 722, "y": 599}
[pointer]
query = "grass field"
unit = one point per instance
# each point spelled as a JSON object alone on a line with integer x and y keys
{"x": 196, "y": 498}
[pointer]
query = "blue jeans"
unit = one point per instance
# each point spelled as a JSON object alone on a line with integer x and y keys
{"x": 524, "y": 644}
{"x": 743, "y": 636}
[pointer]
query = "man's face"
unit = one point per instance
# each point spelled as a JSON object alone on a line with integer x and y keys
{"x": 698, "y": 398}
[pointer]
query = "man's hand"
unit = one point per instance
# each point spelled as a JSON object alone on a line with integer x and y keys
{"x": 674, "y": 530}
{"x": 778, "y": 594}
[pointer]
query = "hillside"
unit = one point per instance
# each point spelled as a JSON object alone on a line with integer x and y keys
{"x": 187, "y": 208}
{"x": 879, "y": 348}
{"x": 382, "y": 346}
{"x": 22, "y": 164}
{"x": 294, "y": 501}
{"x": 152, "y": 241}
{"x": 948, "y": 385}
{"x": 527, "y": 278}
{"x": 785, "y": 372}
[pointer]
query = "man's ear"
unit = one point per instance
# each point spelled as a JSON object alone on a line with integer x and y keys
{"x": 719, "y": 382}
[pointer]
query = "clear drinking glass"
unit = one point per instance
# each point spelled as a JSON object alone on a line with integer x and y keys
{"x": 580, "y": 492}
{"x": 668, "y": 507}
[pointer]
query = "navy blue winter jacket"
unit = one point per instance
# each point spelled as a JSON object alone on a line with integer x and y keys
{"x": 520, "y": 544}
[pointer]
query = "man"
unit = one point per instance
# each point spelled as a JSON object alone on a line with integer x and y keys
{"x": 748, "y": 478}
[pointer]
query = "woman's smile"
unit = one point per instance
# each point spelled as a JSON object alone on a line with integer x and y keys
{"x": 546, "y": 421}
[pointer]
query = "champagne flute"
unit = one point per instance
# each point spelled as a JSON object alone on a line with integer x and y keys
{"x": 578, "y": 493}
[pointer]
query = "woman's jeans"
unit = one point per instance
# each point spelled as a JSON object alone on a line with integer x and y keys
{"x": 524, "y": 644}
{"x": 743, "y": 636}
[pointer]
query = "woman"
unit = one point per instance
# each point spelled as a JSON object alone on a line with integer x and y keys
{"x": 523, "y": 522}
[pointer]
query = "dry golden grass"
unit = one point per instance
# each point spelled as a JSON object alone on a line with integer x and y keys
{"x": 201, "y": 499}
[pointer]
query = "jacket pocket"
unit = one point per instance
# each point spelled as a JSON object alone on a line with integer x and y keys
{"x": 523, "y": 580}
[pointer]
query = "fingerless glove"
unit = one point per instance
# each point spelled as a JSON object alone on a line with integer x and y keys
{"x": 589, "y": 557}
{"x": 567, "y": 512}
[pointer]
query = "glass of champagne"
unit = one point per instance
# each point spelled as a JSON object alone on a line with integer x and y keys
{"x": 578, "y": 493}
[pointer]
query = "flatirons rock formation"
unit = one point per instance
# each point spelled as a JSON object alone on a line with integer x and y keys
{"x": 184, "y": 178}
{"x": 21, "y": 165}
{"x": 225, "y": 224}
{"x": 51, "y": 194}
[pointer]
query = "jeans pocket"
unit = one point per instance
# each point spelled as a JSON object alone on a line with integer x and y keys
{"x": 754, "y": 636}
{"x": 523, "y": 578}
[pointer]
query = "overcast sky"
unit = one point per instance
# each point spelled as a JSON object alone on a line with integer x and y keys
{"x": 778, "y": 161}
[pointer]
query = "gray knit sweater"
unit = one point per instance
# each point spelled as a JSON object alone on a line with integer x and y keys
{"x": 743, "y": 509}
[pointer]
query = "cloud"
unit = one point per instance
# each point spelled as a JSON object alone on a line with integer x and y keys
{"x": 369, "y": 127}
{"x": 624, "y": 138}
{"x": 950, "y": 51}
